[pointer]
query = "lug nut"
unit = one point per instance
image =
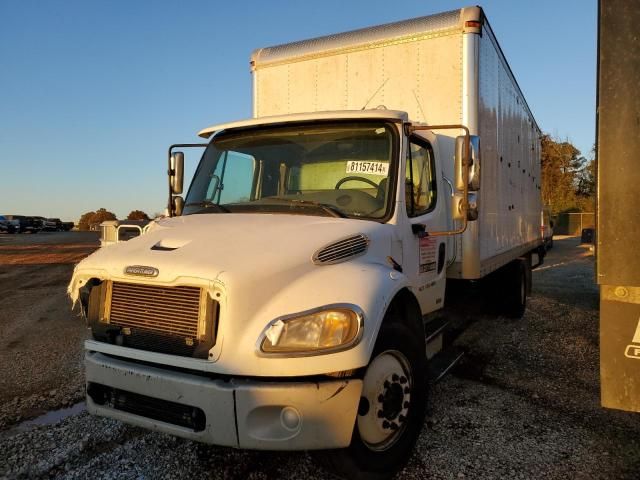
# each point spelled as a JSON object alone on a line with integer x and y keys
{"x": 386, "y": 384}
{"x": 386, "y": 424}
{"x": 406, "y": 405}
{"x": 380, "y": 414}
{"x": 381, "y": 398}
{"x": 394, "y": 377}
{"x": 403, "y": 380}
{"x": 407, "y": 390}
{"x": 401, "y": 418}
{"x": 394, "y": 426}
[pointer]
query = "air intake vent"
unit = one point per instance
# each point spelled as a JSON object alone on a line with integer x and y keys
{"x": 342, "y": 250}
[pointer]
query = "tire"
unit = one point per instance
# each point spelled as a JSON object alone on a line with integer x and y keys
{"x": 394, "y": 393}
{"x": 515, "y": 287}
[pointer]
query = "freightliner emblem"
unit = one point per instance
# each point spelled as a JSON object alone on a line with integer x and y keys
{"x": 141, "y": 270}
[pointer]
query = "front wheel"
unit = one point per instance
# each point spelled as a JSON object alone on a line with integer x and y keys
{"x": 391, "y": 411}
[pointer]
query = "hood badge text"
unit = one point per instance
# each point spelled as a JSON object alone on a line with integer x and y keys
{"x": 141, "y": 270}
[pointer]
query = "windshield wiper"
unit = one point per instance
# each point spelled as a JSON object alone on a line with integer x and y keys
{"x": 206, "y": 204}
{"x": 330, "y": 209}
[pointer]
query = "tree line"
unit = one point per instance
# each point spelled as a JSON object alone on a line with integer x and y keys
{"x": 568, "y": 178}
{"x": 102, "y": 214}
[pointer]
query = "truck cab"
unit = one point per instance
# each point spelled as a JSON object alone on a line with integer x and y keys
{"x": 301, "y": 240}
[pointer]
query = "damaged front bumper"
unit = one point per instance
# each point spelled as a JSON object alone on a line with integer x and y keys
{"x": 242, "y": 413}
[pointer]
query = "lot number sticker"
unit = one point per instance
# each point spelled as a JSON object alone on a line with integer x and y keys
{"x": 372, "y": 168}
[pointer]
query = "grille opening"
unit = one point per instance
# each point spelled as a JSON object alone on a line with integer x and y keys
{"x": 166, "y": 411}
{"x": 180, "y": 320}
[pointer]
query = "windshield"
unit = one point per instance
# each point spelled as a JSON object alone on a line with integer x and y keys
{"x": 338, "y": 169}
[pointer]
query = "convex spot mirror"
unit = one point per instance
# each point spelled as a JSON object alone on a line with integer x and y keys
{"x": 178, "y": 205}
{"x": 458, "y": 210}
{"x": 176, "y": 172}
{"x": 474, "y": 163}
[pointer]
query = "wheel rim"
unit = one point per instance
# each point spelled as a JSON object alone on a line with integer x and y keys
{"x": 387, "y": 391}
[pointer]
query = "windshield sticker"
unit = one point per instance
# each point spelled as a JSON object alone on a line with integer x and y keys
{"x": 427, "y": 254}
{"x": 372, "y": 168}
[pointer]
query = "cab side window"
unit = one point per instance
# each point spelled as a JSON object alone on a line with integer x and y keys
{"x": 420, "y": 179}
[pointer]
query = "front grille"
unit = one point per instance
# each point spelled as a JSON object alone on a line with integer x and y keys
{"x": 165, "y": 310}
{"x": 178, "y": 320}
{"x": 156, "y": 342}
{"x": 174, "y": 413}
{"x": 342, "y": 250}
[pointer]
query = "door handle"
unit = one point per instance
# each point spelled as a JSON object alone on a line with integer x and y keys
{"x": 419, "y": 229}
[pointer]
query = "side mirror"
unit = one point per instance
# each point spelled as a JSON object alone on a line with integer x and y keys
{"x": 473, "y": 162}
{"x": 176, "y": 172}
{"x": 178, "y": 205}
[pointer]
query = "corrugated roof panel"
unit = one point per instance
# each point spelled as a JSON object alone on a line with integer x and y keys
{"x": 362, "y": 38}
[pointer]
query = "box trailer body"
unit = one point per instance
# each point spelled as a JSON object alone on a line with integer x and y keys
{"x": 289, "y": 301}
{"x": 439, "y": 71}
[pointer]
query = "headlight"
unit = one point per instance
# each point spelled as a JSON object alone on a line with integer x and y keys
{"x": 329, "y": 329}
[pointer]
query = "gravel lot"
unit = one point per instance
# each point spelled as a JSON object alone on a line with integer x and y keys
{"x": 523, "y": 403}
{"x": 40, "y": 339}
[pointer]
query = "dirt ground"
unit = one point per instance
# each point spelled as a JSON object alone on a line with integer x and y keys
{"x": 40, "y": 339}
{"x": 523, "y": 403}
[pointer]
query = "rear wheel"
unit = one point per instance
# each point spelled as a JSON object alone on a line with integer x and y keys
{"x": 391, "y": 411}
{"x": 515, "y": 289}
{"x": 507, "y": 288}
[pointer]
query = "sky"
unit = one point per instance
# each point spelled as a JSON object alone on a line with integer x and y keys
{"x": 93, "y": 92}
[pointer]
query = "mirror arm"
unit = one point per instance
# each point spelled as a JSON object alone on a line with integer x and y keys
{"x": 465, "y": 172}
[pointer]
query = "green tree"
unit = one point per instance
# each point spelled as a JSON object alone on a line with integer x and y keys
{"x": 91, "y": 218}
{"x": 587, "y": 177}
{"x": 101, "y": 215}
{"x": 562, "y": 165}
{"x": 84, "y": 222}
{"x": 137, "y": 215}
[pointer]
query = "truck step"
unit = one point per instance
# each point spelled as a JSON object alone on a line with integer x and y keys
{"x": 442, "y": 363}
{"x": 434, "y": 333}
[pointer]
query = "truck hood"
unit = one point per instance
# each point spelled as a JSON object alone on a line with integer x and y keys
{"x": 220, "y": 247}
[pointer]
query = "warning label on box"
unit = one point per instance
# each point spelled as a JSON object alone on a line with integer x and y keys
{"x": 427, "y": 254}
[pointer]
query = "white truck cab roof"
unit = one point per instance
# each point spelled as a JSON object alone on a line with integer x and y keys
{"x": 378, "y": 113}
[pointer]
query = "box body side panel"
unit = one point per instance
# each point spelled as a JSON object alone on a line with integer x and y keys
{"x": 510, "y": 196}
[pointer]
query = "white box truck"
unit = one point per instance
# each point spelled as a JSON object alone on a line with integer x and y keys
{"x": 286, "y": 302}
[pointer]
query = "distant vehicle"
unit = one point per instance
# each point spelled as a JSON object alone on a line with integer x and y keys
{"x": 25, "y": 224}
{"x": 9, "y": 225}
{"x": 114, "y": 231}
{"x": 546, "y": 229}
{"x": 53, "y": 224}
{"x": 39, "y": 222}
{"x": 67, "y": 226}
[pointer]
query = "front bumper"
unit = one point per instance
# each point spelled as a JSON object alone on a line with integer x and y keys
{"x": 240, "y": 413}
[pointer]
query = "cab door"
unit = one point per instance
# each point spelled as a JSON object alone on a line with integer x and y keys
{"x": 425, "y": 256}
